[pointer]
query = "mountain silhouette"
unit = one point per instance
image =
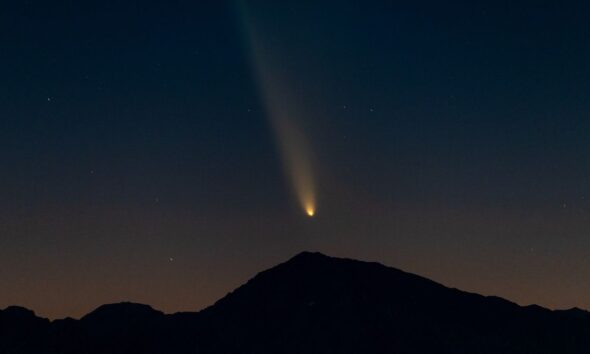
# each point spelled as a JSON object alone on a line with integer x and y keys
{"x": 313, "y": 304}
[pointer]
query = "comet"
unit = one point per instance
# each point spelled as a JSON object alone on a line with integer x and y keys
{"x": 283, "y": 109}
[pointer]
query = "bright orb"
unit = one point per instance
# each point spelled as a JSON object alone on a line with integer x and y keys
{"x": 310, "y": 211}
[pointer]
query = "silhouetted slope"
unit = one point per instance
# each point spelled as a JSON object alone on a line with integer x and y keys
{"x": 21, "y": 331}
{"x": 313, "y": 304}
{"x": 317, "y": 304}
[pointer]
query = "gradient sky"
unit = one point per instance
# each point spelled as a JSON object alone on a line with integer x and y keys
{"x": 448, "y": 139}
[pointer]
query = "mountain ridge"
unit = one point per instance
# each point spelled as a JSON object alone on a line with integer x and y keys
{"x": 313, "y": 303}
{"x": 300, "y": 255}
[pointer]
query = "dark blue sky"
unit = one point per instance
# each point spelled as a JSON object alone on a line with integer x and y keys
{"x": 449, "y": 139}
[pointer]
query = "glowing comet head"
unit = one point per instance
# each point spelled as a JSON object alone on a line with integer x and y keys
{"x": 310, "y": 210}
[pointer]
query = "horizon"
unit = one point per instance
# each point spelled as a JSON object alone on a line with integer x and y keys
{"x": 298, "y": 255}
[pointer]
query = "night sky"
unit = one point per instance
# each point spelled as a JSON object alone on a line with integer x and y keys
{"x": 139, "y": 160}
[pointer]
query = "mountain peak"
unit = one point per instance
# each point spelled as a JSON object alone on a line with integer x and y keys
{"x": 18, "y": 311}
{"x": 309, "y": 255}
{"x": 122, "y": 310}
